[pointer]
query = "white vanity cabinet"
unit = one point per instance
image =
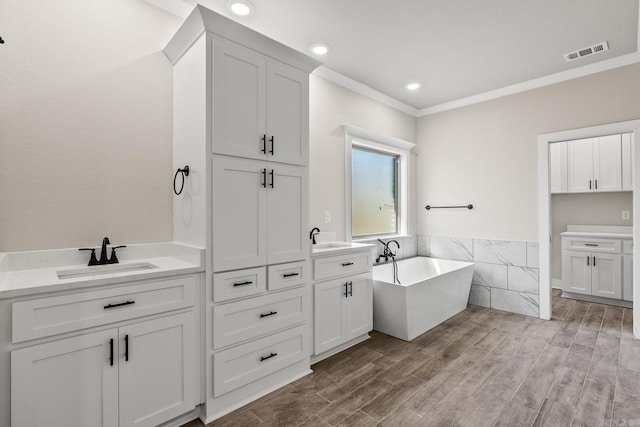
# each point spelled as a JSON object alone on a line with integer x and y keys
{"x": 259, "y": 214}
{"x": 260, "y": 106}
{"x": 594, "y": 164}
{"x": 343, "y": 300}
{"x": 140, "y": 371}
{"x": 596, "y": 266}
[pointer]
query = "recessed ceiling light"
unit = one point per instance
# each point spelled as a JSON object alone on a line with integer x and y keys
{"x": 240, "y": 7}
{"x": 320, "y": 49}
{"x": 413, "y": 86}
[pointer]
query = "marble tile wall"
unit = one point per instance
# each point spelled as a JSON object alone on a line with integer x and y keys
{"x": 506, "y": 272}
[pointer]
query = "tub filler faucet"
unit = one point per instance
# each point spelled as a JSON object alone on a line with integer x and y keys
{"x": 386, "y": 254}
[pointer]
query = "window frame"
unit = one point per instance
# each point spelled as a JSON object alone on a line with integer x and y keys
{"x": 372, "y": 141}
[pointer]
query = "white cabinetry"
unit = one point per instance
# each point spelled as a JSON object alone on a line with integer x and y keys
{"x": 343, "y": 305}
{"x": 558, "y": 167}
{"x": 595, "y": 164}
{"x": 627, "y": 162}
{"x": 135, "y": 374}
{"x": 627, "y": 270}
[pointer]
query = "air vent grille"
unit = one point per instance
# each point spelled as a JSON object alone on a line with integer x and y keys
{"x": 591, "y": 50}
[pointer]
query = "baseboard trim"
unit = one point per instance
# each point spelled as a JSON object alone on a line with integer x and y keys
{"x": 598, "y": 300}
{"x": 318, "y": 357}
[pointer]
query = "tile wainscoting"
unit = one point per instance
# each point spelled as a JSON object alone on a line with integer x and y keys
{"x": 506, "y": 272}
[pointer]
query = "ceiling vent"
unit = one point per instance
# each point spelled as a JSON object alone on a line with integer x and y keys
{"x": 591, "y": 50}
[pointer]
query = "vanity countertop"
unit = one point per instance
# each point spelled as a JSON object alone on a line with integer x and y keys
{"x": 338, "y": 248}
{"x": 30, "y": 273}
{"x": 599, "y": 231}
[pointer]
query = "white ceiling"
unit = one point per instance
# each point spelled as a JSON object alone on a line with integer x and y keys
{"x": 455, "y": 48}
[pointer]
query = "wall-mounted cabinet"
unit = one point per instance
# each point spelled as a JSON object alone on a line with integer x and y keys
{"x": 558, "y": 167}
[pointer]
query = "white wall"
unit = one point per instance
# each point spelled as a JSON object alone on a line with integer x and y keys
{"x": 486, "y": 154}
{"x": 332, "y": 106}
{"x": 85, "y": 123}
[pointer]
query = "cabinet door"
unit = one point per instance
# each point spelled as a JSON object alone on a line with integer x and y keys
{"x": 627, "y": 162}
{"x": 329, "y": 315}
{"x": 69, "y": 382}
{"x": 580, "y": 165}
{"x": 627, "y": 277}
{"x": 287, "y": 213}
{"x": 606, "y": 272}
{"x": 157, "y": 370}
{"x": 576, "y": 272}
{"x": 607, "y": 163}
{"x": 359, "y": 306}
{"x": 558, "y": 167}
{"x": 239, "y": 213}
{"x": 239, "y": 100}
{"x": 287, "y": 114}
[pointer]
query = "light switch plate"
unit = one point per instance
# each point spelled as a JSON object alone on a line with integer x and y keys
{"x": 626, "y": 214}
{"x": 327, "y": 217}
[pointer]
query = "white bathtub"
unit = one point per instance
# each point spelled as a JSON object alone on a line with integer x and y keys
{"x": 432, "y": 291}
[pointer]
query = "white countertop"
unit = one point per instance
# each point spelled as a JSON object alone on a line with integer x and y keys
{"x": 337, "y": 248}
{"x": 29, "y": 273}
{"x": 601, "y": 231}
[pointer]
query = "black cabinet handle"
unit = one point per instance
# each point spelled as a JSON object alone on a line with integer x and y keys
{"x": 588, "y": 259}
{"x": 107, "y": 307}
{"x": 589, "y": 184}
{"x": 248, "y": 282}
{"x": 264, "y": 178}
{"x": 268, "y": 314}
{"x": 591, "y": 244}
{"x": 345, "y": 264}
{"x": 596, "y": 184}
{"x": 351, "y": 289}
{"x": 272, "y": 144}
{"x": 263, "y": 358}
{"x": 264, "y": 144}
{"x": 111, "y": 352}
{"x": 346, "y": 292}
{"x": 594, "y": 260}
{"x": 126, "y": 348}
{"x": 271, "y": 173}
{"x": 290, "y": 274}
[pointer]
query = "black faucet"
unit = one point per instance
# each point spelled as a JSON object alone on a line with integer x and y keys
{"x": 313, "y": 235}
{"x": 386, "y": 253}
{"x": 103, "y": 254}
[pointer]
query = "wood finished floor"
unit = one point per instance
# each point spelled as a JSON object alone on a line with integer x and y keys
{"x": 482, "y": 367}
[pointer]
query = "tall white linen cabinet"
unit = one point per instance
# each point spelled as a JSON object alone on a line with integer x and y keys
{"x": 241, "y": 123}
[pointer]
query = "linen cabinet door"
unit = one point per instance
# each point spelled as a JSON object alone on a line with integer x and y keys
{"x": 71, "y": 382}
{"x": 239, "y": 213}
{"x": 606, "y": 276}
{"x": 558, "y": 167}
{"x": 580, "y": 165}
{"x": 359, "y": 305}
{"x": 287, "y": 114}
{"x": 157, "y": 376}
{"x": 329, "y": 324}
{"x": 239, "y": 100}
{"x": 576, "y": 272}
{"x": 607, "y": 163}
{"x": 287, "y": 213}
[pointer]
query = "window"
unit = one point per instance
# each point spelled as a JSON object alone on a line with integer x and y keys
{"x": 377, "y": 184}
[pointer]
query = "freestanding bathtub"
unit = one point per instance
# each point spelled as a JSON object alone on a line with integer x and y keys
{"x": 432, "y": 291}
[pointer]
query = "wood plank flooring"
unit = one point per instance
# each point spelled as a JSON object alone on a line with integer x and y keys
{"x": 482, "y": 367}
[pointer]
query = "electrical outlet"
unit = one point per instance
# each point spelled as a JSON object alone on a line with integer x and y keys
{"x": 327, "y": 217}
{"x": 626, "y": 215}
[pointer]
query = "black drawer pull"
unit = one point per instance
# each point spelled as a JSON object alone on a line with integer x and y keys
{"x": 268, "y": 314}
{"x": 591, "y": 244}
{"x": 345, "y": 264}
{"x": 126, "y": 348}
{"x": 248, "y": 282}
{"x": 111, "y": 352}
{"x": 107, "y": 307}
{"x": 346, "y": 287}
{"x": 263, "y": 358}
{"x": 290, "y": 274}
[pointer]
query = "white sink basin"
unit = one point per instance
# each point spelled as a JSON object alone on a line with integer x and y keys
{"x": 96, "y": 270}
{"x": 328, "y": 245}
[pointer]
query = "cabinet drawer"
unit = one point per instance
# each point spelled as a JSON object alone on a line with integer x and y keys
{"x": 44, "y": 317}
{"x": 237, "y": 284}
{"x": 249, "y": 362}
{"x": 287, "y": 275}
{"x": 627, "y": 246}
{"x": 591, "y": 245}
{"x": 342, "y": 265}
{"x": 248, "y": 319}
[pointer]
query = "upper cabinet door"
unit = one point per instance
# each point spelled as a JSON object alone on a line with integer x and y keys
{"x": 558, "y": 167}
{"x": 580, "y": 165}
{"x": 287, "y": 213}
{"x": 607, "y": 163}
{"x": 627, "y": 163}
{"x": 287, "y": 114}
{"x": 238, "y": 213}
{"x": 239, "y": 101}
